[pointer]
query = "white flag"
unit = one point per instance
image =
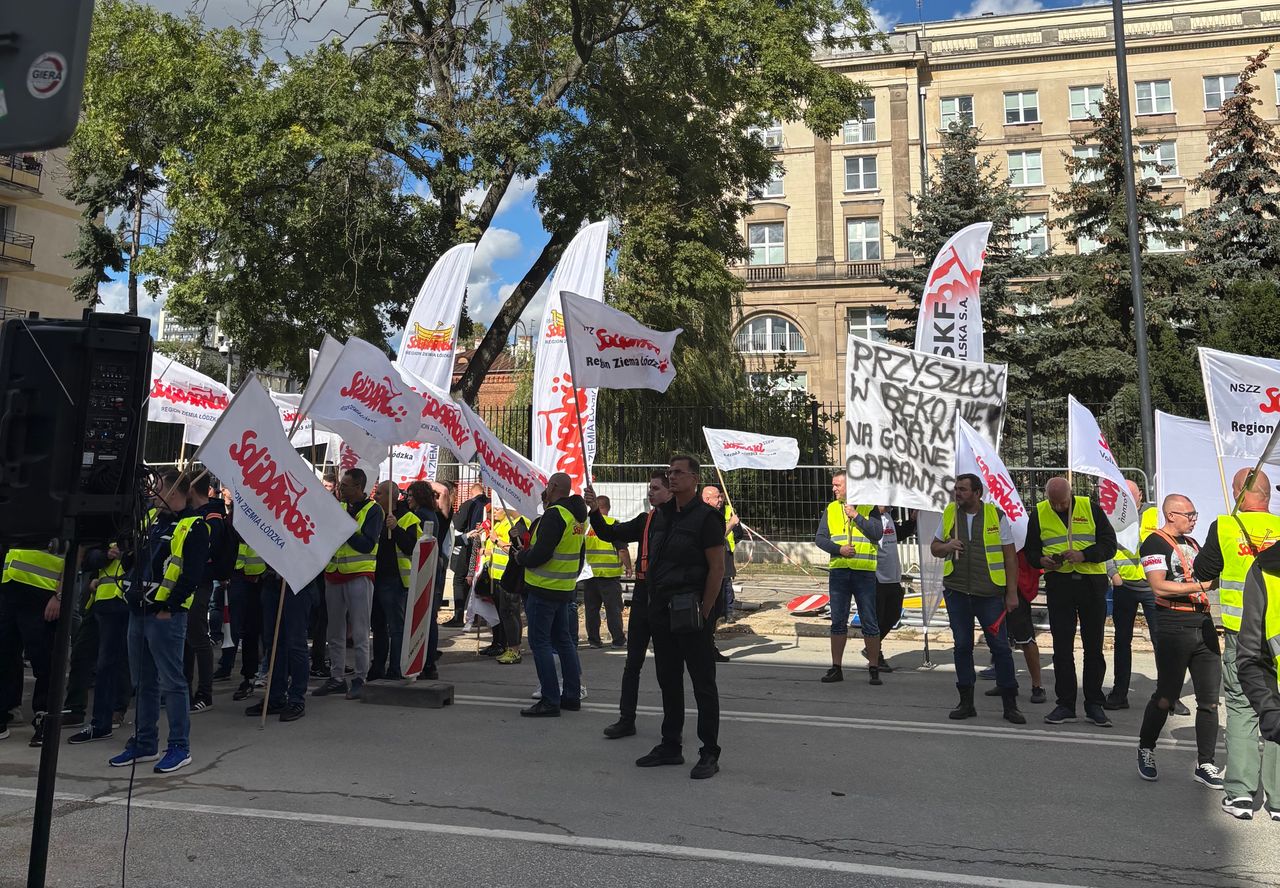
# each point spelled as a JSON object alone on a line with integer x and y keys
{"x": 442, "y": 423}
{"x": 744, "y": 450}
{"x": 1187, "y": 464}
{"x": 431, "y": 335}
{"x": 976, "y": 456}
{"x": 1089, "y": 452}
{"x": 610, "y": 349}
{"x": 1243, "y": 394}
{"x": 349, "y": 458}
{"x": 515, "y": 480}
{"x": 557, "y": 446}
{"x": 180, "y": 394}
{"x": 365, "y": 400}
{"x": 406, "y": 464}
{"x": 950, "y": 322}
{"x": 280, "y": 508}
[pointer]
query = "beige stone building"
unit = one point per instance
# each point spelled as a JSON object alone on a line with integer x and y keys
{"x": 38, "y": 227}
{"x": 819, "y": 232}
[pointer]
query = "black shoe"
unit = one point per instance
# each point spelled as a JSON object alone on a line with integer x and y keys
{"x": 72, "y": 719}
{"x": 1095, "y": 713}
{"x": 875, "y": 676}
{"x": 619, "y": 644}
{"x": 707, "y": 766}
{"x": 598, "y": 645}
{"x": 492, "y": 650}
{"x": 37, "y": 739}
{"x": 993, "y": 692}
{"x": 1180, "y": 708}
{"x": 293, "y": 712}
{"x": 721, "y": 657}
{"x": 1113, "y": 702}
{"x": 245, "y": 690}
{"x": 221, "y": 676}
{"x": 835, "y": 673}
{"x": 623, "y": 727}
{"x": 660, "y": 755}
{"x": 571, "y": 704}
{"x": 255, "y": 710}
{"x": 431, "y": 673}
{"x": 88, "y": 735}
{"x": 884, "y": 666}
{"x": 320, "y": 671}
{"x": 200, "y": 704}
{"x": 543, "y": 709}
{"x": 965, "y": 708}
{"x": 1038, "y": 695}
{"x": 1060, "y": 715}
{"x": 1011, "y": 712}
{"x": 332, "y": 686}
{"x": 452, "y": 623}
{"x": 376, "y": 676}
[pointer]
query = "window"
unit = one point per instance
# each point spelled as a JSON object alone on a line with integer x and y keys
{"x": 860, "y": 174}
{"x": 773, "y": 188}
{"x": 956, "y": 108}
{"x": 1082, "y": 174}
{"x": 1086, "y": 244}
{"x": 767, "y": 244}
{"x": 1169, "y": 241}
{"x": 1218, "y": 89}
{"x": 1278, "y": 87}
{"x": 863, "y": 236}
{"x": 1030, "y": 233}
{"x": 778, "y": 382}
{"x": 1159, "y": 154}
{"x": 1025, "y": 168}
{"x": 771, "y": 135}
{"x": 867, "y": 323}
{"x": 1085, "y": 100}
{"x": 1154, "y": 97}
{"x": 769, "y": 334}
{"x": 864, "y": 128}
{"x": 1021, "y": 107}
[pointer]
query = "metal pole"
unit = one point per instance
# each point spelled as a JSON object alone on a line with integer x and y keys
{"x": 924, "y": 141}
{"x": 1135, "y": 246}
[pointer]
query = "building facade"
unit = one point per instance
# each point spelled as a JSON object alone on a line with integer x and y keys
{"x": 38, "y": 228}
{"x": 819, "y": 233}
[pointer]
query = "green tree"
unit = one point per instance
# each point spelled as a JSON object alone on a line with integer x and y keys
{"x": 965, "y": 188}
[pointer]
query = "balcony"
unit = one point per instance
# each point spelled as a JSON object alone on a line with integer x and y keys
{"x": 819, "y": 271}
{"x": 21, "y": 170}
{"x": 15, "y": 247}
{"x": 10, "y": 313}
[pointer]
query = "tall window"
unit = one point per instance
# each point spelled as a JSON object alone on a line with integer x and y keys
{"x": 867, "y": 323}
{"x": 1086, "y": 244}
{"x": 1082, "y": 154}
{"x": 771, "y": 135}
{"x": 1085, "y": 100}
{"x": 955, "y": 108}
{"x": 1169, "y": 241}
{"x": 1160, "y": 154}
{"x": 766, "y": 240}
{"x": 1218, "y": 89}
{"x": 1025, "y": 168}
{"x": 1030, "y": 233}
{"x": 1021, "y": 107}
{"x": 864, "y": 128}
{"x": 769, "y": 334}
{"x": 1154, "y": 96}
{"x": 863, "y": 236}
{"x": 860, "y": 173}
{"x": 773, "y": 188}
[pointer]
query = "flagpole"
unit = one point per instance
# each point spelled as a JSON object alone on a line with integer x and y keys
{"x": 391, "y": 477}
{"x": 1253, "y": 473}
{"x": 573, "y": 385}
{"x": 271, "y": 666}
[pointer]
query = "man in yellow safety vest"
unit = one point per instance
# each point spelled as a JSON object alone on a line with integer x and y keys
{"x": 1258, "y": 657}
{"x": 30, "y": 603}
{"x": 604, "y": 586}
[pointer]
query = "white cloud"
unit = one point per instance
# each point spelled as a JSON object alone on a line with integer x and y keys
{"x": 519, "y": 192}
{"x": 884, "y": 20}
{"x": 1000, "y": 7}
{"x": 115, "y": 300}
{"x": 496, "y": 245}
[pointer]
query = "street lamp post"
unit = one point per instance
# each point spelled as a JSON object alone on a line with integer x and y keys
{"x": 224, "y": 349}
{"x": 1135, "y": 246}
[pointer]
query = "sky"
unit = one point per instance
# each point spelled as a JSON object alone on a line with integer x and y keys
{"x": 516, "y": 237}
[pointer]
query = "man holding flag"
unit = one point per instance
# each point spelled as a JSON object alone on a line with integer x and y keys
{"x": 849, "y": 535}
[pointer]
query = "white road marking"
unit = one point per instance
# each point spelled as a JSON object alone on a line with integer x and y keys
{"x": 588, "y": 842}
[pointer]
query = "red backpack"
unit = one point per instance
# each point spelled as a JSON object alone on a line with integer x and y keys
{"x": 1028, "y": 578}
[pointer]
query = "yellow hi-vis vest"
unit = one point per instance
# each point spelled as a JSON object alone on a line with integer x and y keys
{"x": 173, "y": 564}
{"x": 1239, "y": 548}
{"x": 844, "y": 532}
{"x": 407, "y": 521}
{"x": 1053, "y": 535}
{"x": 1271, "y": 622}
{"x": 990, "y": 541}
{"x": 730, "y": 538}
{"x": 347, "y": 560}
{"x": 249, "y": 562}
{"x": 33, "y": 567}
{"x": 602, "y": 556}
{"x": 1129, "y": 564}
{"x": 496, "y": 549}
{"x": 560, "y": 572}
{"x": 108, "y": 584}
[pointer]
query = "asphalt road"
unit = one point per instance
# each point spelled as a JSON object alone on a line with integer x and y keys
{"x": 821, "y": 785}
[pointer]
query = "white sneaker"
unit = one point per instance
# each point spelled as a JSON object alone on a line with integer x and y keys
{"x": 1240, "y": 808}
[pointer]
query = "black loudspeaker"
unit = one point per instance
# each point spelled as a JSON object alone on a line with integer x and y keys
{"x": 72, "y": 416}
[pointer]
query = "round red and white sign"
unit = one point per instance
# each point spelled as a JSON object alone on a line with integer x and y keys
{"x": 807, "y": 604}
{"x": 46, "y": 75}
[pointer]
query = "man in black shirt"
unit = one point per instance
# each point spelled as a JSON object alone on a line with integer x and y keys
{"x": 466, "y": 545}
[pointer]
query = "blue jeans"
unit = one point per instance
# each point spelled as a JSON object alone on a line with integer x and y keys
{"x": 844, "y": 585}
{"x": 112, "y": 616}
{"x": 292, "y": 656}
{"x": 155, "y": 661}
{"x": 550, "y": 633}
{"x": 962, "y": 609}
{"x": 393, "y": 598}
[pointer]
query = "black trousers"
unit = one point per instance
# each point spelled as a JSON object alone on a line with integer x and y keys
{"x": 1183, "y": 645}
{"x": 673, "y": 653}
{"x": 197, "y": 655}
{"x": 888, "y": 606}
{"x": 1125, "y": 601}
{"x": 606, "y": 592}
{"x": 23, "y": 627}
{"x": 1078, "y": 598}
{"x": 638, "y": 637}
{"x": 319, "y": 632}
{"x": 82, "y": 670}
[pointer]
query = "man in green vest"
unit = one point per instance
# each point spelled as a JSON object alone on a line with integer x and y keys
{"x": 1231, "y": 545}
{"x": 1071, "y": 538}
{"x": 1258, "y": 659}
{"x": 979, "y": 581}
{"x": 604, "y": 586}
{"x": 551, "y": 567}
{"x": 108, "y": 614}
{"x": 849, "y": 535}
{"x": 30, "y": 603}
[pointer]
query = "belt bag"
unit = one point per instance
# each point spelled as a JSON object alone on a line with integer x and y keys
{"x": 686, "y": 613}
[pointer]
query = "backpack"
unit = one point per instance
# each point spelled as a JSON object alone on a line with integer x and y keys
{"x": 222, "y": 558}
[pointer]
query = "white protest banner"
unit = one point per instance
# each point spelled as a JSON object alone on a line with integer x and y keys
{"x": 349, "y": 459}
{"x": 743, "y": 450}
{"x": 610, "y": 349}
{"x": 442, "y": 422}
{"x": 950, "y": 322}
{"x": 975, "y": 456}
{"x": 430, "y": 337}
{"x": 322, "y": 362}
{"x": 1187, "y": 464}
{"x": 365, "y": 400}
{"x": 180, "y": 394}
{"x": 900, "y": 421}
{"x": 557, "y": 445}
{"x": 406, "y": 464}
{"x": 418, "y": 607}
{"x": 1089, "y": 452}
{"x": 280, "y": 508}
{"x": 1243, "y": 394}
{"x": 517, "y": 482}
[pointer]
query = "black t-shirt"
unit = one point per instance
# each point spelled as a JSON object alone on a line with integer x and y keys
{"x": 1157, "y": 554}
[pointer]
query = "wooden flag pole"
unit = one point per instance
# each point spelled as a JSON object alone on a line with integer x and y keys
{"x": 1070, "y": 511}
{"x": 271, "y": 665}
{"x": 391, "y": 475}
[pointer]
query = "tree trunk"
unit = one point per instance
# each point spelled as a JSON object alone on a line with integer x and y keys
{"x": 135, "y": 245}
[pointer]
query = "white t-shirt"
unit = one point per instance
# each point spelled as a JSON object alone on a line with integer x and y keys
{"x": 1006, "y": 532}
